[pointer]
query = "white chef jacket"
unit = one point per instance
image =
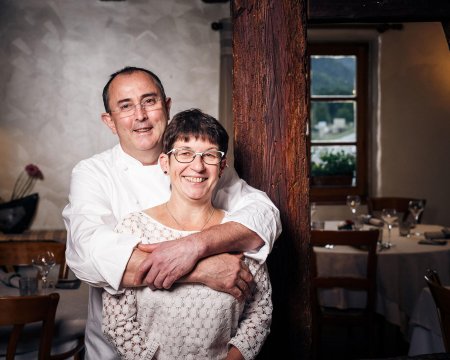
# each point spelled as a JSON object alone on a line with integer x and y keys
{"x": 112, "y": 184}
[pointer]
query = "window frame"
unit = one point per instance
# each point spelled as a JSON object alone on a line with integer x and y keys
{"x": 361, "y": 51}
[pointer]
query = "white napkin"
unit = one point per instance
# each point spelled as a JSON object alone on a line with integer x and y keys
{"x": 10, "y": 278}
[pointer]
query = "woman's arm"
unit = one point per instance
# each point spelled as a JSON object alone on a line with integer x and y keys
{"x": 122, "y": 329}
{"x": 254, "y": 323}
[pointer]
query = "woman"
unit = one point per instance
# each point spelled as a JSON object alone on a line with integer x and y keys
{"x": 190, "y": 321}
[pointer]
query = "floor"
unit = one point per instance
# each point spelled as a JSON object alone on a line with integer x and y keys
{"x": 337, "y": 343}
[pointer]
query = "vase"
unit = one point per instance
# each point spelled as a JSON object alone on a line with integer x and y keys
{"x": 17, "y": 215}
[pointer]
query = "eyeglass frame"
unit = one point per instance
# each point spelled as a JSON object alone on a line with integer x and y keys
{"x": 133, "y": 107}
{"x": 174, "y": 150}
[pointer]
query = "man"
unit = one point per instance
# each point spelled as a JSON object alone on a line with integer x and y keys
{"x": 127, "y": 178}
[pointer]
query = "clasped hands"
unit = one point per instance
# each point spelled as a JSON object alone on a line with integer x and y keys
{"x": 180, "y": 260}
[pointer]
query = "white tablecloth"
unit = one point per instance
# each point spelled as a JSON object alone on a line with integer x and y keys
{"x": 400, "y": 273}
{"x": 425, "y": 330}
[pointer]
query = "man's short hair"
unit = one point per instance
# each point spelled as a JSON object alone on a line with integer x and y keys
{"x": 127, "y": 71}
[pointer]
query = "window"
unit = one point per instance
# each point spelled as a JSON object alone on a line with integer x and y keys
{"x": 338, "y": 120}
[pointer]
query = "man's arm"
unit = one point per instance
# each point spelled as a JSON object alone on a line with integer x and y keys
{"x": 171, "y": 260}
{"x": 253, "y": 225}
{"x": 224, "y": 272}
{"x": 95, "y": 253}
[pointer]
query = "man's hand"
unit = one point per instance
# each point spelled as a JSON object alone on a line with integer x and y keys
{"x": 224, "y": 272}
{"x": 167, "y": 262}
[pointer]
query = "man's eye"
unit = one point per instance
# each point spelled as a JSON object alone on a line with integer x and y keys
{"x": 126, "y": 107}
{"x": 150, "y": 101}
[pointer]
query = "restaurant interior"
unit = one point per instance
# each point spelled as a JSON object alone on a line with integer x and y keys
{"x": 57, "y": 55}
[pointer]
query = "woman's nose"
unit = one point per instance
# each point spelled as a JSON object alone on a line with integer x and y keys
{"x": 197, "y": 163}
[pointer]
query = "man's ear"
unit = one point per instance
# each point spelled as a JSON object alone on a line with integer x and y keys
{"x": 168, "y": 105}
{"x": 106, "y": 118}
{"x": 164, "y": 162}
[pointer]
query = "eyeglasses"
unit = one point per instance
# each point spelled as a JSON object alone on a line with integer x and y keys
{"x": 147, "y": 104}
{"x": 210, "y": 157}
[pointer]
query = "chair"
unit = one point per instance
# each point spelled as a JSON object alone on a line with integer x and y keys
{"x": 365, "y": 241}
{"x": 441, "y": 296}
{"x": 13, "y": 253}
{"x": 20, "y": 310}
{"x": 376, "y": 204}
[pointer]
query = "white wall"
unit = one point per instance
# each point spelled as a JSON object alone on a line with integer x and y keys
{"x": 56, "y": 56}
{"x": 410, "y": 147}
{"x": 414, "y": 141}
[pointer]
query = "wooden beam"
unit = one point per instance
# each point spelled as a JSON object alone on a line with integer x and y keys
{"x": 270, "y": 109}
{"x": 381, "y": 11}
{"x": 446, "y": 28}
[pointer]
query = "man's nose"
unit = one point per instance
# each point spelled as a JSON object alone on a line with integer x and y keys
{"x": 139, "y": 112}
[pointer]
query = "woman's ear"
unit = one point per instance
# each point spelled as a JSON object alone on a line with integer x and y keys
{"x": 164, "y": 162}
{"x": 223, "y": 165}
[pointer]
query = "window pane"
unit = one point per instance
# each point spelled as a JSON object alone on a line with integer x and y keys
{"x": 333, "y": 121}
{"x": 329, "y": 162}
{"x": 333, "y": 75}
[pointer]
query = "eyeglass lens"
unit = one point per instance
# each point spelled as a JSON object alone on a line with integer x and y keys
{"x": 147, "y": 104}
{"x": 210, "y": 157}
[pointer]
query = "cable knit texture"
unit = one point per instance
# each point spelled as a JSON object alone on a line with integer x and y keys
{"x": 189, "y": 321}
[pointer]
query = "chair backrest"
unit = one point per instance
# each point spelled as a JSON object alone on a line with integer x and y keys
{"x": 441, "y": 296}
{"x": 17, "y": 311}
{"x": 13, "y": 253}
{"x": 363, "y": 240}
{"x": 376, "y": 204}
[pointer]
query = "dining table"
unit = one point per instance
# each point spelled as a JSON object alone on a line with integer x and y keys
{"x": 424, "y": 328}
{"x": 400, "y": 271}
{"x": 70, "y": 321}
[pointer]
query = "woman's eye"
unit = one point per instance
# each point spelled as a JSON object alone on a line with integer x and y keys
{"x": 210, "y": 155}
{"x": 185, "y": 153}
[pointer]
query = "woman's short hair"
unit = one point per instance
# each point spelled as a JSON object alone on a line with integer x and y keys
{"x": 194, "y": 123}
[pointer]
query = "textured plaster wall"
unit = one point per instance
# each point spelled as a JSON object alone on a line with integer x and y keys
{"x": 56, "y": 56}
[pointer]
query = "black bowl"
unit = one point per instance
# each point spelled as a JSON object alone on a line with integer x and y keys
{"x": 16, "y": 215}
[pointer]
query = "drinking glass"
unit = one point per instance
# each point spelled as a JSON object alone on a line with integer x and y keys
{"x": 353, "y": 201}
{"x": 44, "y": 262}
{"x": 390, "y": 217}
{"x": 416, "y": 207}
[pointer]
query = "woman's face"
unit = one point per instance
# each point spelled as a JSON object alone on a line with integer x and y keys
{"x": 195, "y": 180}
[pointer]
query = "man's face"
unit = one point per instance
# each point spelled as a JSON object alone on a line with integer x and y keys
{"x": 140, "y": 133}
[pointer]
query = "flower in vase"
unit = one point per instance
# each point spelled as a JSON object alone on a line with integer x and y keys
{"x": 26, "y": 180}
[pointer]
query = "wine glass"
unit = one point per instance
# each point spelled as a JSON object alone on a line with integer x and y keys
{"x": 390, "y": 217}
{"x": 44, "y": 262}
{"x": 416, "y": 207}
{"x": 353, "y": 201}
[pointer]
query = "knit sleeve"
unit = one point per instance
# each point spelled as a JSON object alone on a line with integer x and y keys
{"x": 254, "y": 324}
{"x": 122, "y": 329}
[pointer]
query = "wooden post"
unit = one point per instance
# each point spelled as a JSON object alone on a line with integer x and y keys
{"x": 270, "y": 107}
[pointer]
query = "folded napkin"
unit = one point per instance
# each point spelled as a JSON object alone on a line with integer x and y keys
{"x": 10, "y": 278}
{"x": 433, "y": 235}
